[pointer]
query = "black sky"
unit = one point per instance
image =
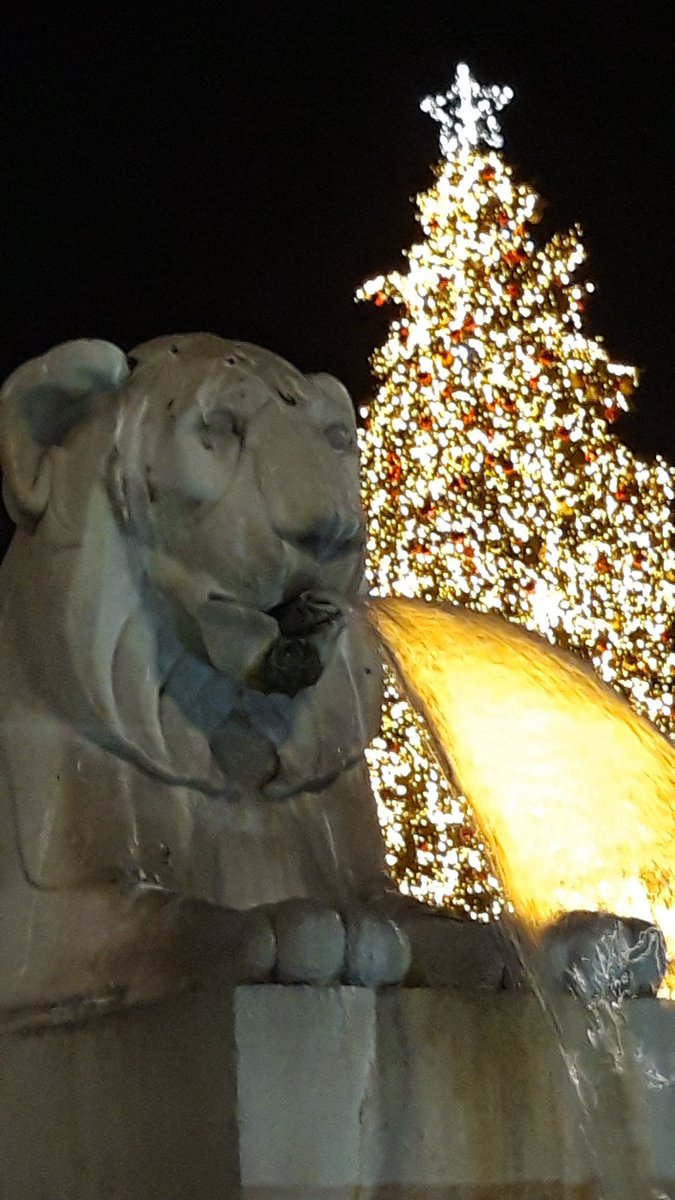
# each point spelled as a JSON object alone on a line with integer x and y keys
{"x": 243, "y": 168}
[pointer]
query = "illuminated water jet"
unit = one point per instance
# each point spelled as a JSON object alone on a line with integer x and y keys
{"x": 573, "y": 791}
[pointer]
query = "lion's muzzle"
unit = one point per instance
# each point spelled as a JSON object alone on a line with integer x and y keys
{"x": 329, "y": 538}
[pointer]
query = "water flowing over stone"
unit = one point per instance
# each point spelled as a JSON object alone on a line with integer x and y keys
{"x": 574, "y": 792}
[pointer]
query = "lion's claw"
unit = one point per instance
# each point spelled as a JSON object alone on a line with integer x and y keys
{"x": 315, "y": 944}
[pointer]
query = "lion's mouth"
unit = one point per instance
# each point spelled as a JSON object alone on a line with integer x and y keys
{"x": 296, "y": 584}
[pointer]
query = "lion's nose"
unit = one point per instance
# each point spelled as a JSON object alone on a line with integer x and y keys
{"x": 330, "y": 538}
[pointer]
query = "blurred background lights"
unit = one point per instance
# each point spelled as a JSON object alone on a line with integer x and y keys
{"x": 493, "y": 476}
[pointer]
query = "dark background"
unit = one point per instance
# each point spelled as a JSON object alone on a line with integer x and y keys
{"x": 242, "y": 169}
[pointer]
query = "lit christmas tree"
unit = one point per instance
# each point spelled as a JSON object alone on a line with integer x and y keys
{"x": 492, "y": 476}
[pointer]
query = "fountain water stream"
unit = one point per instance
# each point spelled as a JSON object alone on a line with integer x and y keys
{"x": 574, "y": 795}
{"x": 573, "y": 791}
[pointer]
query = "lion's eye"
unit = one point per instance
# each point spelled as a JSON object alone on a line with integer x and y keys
{"x": 219, "y": 425}
{"x": 339, "y": 436}
{"x": 288, "y": 398}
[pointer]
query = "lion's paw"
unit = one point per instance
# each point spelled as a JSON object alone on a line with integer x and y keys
{"x": 317, "y": 945}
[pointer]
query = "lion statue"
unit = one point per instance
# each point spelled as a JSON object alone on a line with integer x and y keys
{"x": 186, "y": 687}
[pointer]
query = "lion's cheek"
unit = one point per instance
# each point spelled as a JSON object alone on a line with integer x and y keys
{"x": 242, "y": 554}
{"x": 181, "y": 467}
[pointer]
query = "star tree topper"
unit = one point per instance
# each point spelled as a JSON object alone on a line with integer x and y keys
{"x": 467, "y": 113}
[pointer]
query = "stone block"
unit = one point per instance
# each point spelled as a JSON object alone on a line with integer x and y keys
{"x": 301, "y": 1093}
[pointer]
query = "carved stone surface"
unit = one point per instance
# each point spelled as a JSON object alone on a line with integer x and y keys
{"x": 599, "y": 955}
{"x": 273, "y": 1093}
{"x": 186, "y": 690}
{"x": 185, "y": 687}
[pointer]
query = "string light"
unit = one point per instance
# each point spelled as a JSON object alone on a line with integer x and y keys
{"x": 493, "y": 477}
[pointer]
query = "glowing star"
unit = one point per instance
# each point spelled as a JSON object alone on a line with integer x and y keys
{"x": 467, "y": 113}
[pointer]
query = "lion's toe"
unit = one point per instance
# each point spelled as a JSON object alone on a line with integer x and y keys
{"x": 311, "y": 943}
{"x": 378, "y": 951}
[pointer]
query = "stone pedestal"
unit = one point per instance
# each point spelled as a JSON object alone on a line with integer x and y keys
{"x": 270, "y": 1093}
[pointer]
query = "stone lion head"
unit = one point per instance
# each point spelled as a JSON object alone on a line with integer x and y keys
{"x": 183, "y": 581}
{"x": 235, "y": 474}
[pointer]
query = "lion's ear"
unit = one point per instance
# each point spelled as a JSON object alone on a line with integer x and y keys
{"x": 39, "y": 404}
{"x": 333, "y": 398}
{"x": 331, "y": 387}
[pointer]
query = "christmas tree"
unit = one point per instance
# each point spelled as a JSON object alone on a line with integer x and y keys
{"x": 493, "y": 477}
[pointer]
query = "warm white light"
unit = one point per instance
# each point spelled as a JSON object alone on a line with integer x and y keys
{"x": 467, "y": 113}
{"x": 574, "y": 792}
{"x": 493, "y": 477}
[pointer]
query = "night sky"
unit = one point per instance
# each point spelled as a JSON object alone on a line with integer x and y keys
{"x": 242, "y": 169}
